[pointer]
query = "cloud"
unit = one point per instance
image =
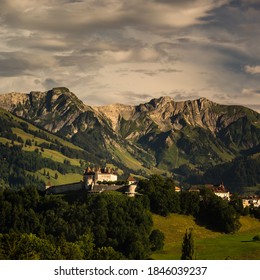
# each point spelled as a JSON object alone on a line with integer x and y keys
{"x": 92, "y": 16}
{"x": 50, "y": 83}
{"x": 134, "y": 98}
{"x": 184, "y": 96}
{"x": 252, "y": 69}
{"x": 250, "y": 92}
{"x": 119, "y": 50}
{"x": 255, "y": 107}
{"x": 22, "y": 63}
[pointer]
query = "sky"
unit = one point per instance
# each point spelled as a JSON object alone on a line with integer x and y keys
{"x": 122, "y": 51}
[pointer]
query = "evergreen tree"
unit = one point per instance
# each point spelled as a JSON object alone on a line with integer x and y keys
{"x": 156, "y": 239}
{"x": 188, "y": 251}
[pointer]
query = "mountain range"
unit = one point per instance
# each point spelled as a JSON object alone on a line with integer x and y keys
{"x": 158, "y": 136}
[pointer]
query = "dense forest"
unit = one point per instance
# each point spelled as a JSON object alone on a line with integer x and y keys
{"x": 35, "y": 226}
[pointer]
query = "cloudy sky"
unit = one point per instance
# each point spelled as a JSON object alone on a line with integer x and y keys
{"x": 122, "y": 51}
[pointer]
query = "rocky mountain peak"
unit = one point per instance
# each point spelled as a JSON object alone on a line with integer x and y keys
{"x": 115, "y": 112}
{"x": 161, "y": 101}
{"x": 9, "y": 100}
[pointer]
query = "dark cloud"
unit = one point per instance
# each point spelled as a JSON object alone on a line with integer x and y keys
{"x": 12, "y": 65}
{"x": 245, "y": 4}
{"x": 19, "y": 63}
{"x": 50, "y": 83}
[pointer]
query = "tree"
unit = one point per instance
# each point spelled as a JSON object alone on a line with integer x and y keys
{"x": 156, "y": 240}
{"x": 237, "y": 203}
{"x": 66, "y": 161}
{"x": 218, "y": 215}
{"x": 188, "y": 251}
{"x": 256, "y": 237}
{"x": 86, "y": 243}
{"x": 162, "y": 195}
{"x": 190, "y": 202}
{"x": 108, "y": 253}
{"x": 56, "y": 176}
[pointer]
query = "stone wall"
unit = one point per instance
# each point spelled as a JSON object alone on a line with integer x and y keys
{"x": 65, "y": 188}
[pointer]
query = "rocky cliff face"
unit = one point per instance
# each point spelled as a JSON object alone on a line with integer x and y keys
{"x": 53, "y": 110}
{"x": 167, "y": 114}
{"x": 161, "y": 132}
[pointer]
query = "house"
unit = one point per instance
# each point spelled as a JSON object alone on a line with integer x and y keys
{"x": 253, "y": 201}
{"x": 221, "y": 191}
{"x": 218, "y": 190}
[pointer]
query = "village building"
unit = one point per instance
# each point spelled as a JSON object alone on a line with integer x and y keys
{"x": 221, "y": 191}
{"x": 251, "y": 201}
{"x": 218, "y": 190}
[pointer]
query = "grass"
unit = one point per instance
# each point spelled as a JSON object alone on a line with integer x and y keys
{"x": 27, "y": 136}
{"x": 16, "y": 120}
{"x": 62, "y": 179}
{"x": 209, "y": 245}
{"x": 126, "y": 158}
{"x": 53, "y": 155}
{"x": 58, "y": 157}
{"x": 35, "y": 128}
{"x": 47, "y": 153}
{"x": 4, "y": 140}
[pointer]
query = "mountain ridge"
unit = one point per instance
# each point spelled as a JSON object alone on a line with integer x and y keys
{"x": 161, "y": 133}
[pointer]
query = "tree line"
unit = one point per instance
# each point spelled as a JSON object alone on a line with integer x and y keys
{"x": 39, "y": 226}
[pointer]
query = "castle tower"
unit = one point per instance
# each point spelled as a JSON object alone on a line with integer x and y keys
{"x": 89, "y": 178}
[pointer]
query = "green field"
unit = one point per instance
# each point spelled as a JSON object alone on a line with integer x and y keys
{"x": 209, "y": 245}
{"x": 62, "y": 178}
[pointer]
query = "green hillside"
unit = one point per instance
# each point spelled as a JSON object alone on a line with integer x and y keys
{"x": 209, "y": 245}
{"x": 59, "y": 161}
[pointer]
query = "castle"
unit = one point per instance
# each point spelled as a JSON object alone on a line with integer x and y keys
{"x": 94, "y": 175}
{"x": 97, "y": 180}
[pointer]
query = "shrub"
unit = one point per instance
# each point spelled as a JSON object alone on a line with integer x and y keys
{"x": 256, "y": 237}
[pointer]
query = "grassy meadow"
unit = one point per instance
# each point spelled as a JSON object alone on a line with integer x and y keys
{"x": 209, "y": 245}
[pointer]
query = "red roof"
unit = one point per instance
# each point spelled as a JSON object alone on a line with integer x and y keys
{"x": 131, "y": 178}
